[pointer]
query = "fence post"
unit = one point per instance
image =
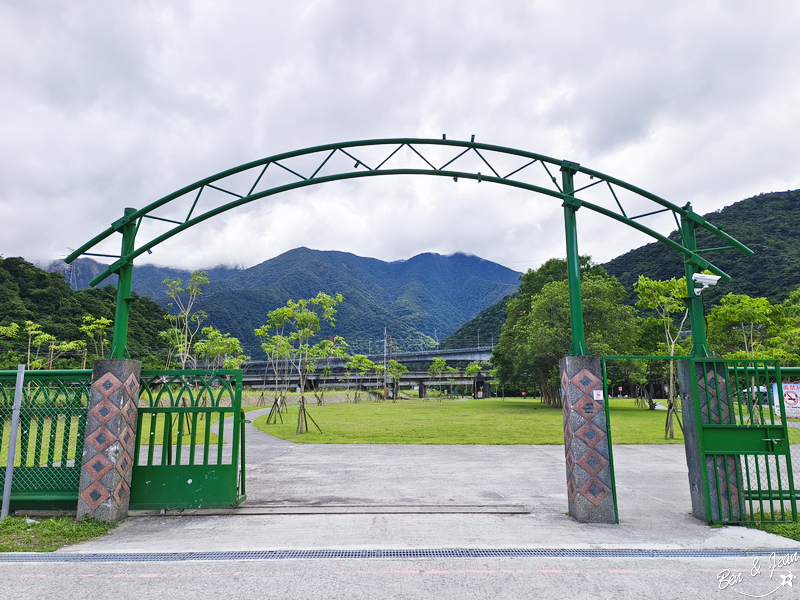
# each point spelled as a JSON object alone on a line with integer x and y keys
{"x": 12, "y": 441}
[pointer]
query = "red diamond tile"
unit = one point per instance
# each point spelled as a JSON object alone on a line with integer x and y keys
{"x": 107, "y": 385}
{"x": 567, "y": 434}
{"x": 587, "y": 407}
{"x": 104, "y": 411}
{"x": 571, "y": 489}
{"x": 101, "y": 439}
{"x": 124, "y": 464}
{"x": 127, "y": 438}
{"x": 592, "y": 462}
{"x": 590, "y": 435}
{"x": 585, "y": 381}
{"x": 97, "y": 466}
{"x": 594, "y": 491}
{"x": 570, "y": 461}
{"x": 121, "y": 492}
{"x": 129, "y": 411}
{"x": 564, "y": 384}
{"x": 95, "y": 495}
{"x": 132, "y": 385}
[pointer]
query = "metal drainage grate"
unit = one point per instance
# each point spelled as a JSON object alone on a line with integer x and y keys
{"x": 399, "y": 554}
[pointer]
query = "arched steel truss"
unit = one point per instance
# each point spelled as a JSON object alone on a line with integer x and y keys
{"x": 578, "y": 188}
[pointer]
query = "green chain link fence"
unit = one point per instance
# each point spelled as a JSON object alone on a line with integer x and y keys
{"x": 49, "y": 449}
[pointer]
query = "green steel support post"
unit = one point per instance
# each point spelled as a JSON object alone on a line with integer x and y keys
{"x": 125, "y": 274}
{"x": 693, "y": 301}
{"x": 571, "y": 205}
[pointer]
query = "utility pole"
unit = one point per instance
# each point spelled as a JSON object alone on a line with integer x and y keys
{"x": 479, "y": 338}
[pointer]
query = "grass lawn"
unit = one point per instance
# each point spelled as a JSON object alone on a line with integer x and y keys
{"x": 46, "y": 535}
{"x": 490, "y": 421}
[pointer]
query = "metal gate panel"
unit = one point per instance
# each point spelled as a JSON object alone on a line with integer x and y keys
{"x": 743, "y": 440}
{"x": 185, "y": 456}
{"x": 49, "y": 449}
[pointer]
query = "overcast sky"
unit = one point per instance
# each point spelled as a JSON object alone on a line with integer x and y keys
{"x": 105, "y": 105}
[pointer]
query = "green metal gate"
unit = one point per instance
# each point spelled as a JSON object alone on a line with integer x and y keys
{"x": 49, "y": 449}
{"x": 184, "y": 457}
{"x": 743, "y": 443}
{"x": 195, "y": 461}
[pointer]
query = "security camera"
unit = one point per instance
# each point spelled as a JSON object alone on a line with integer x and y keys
{"x": 704, "y": 280}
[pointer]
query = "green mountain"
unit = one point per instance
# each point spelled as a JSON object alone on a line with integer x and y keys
{"x": 147, "y": 279}
{"x": 767, "y": 224}
{"x": 427, "y": 295}
{"x": 28, "y": 293}
{"x": 424, "y": 298}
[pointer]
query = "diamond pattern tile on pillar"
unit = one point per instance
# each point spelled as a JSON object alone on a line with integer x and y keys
{"x": 567, "y": 434}
{"x": 124, "y": 463}
{"x": 129, "y": 410}
{"x": 572, "y": 490}
{"x": 587, "y": 407}
{"x": 107, "y": 385}
{"x": 127, "y": 437}
{"x": 594, "y": 491}
{"x": 592, "y": 462}
{"x": 132, "y": 385}
{"x": 97, "y": 466}
{"x": 95, "y": 495}
{"x": 590, "y": 435}
{"x": 121, "y": 492}
{"x": 570, "y": 461}
{"x": 564, "y": 386}
{"x": 101, "y": 439}
{"x": 585, "y": 381}
{"x": 104, "y": 411}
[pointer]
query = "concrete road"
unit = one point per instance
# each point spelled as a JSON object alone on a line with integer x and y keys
{"x": 341, "y": 498}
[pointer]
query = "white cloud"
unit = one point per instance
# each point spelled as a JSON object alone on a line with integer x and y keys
{"x": 106, "y": 106}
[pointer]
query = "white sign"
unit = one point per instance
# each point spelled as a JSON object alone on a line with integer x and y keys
{"x": 598, "y": 394}
{"x": 791, "y": 399}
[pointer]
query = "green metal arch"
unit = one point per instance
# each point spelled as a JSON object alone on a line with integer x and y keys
{"x": 685, "y": 218}
{"x": 572, "y": 199}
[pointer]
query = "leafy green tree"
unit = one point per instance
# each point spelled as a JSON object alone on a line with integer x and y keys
{"x": 361, "y": 364}
{"x": 395, "y": 370}
{"x": 666, "y": 299}
{"x": 319, "y": 359}
{"x": 95, "y": 329}
{"x": 297, "y": 323}
{"x": 539, "y": 336}
{"x": 438, "y": 366}
{"x": 185, "y": 323}
{"x": 739, "y": 326}
{"x": 220, "y": 349}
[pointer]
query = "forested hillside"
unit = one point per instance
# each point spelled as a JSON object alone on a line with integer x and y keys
{"x": 768, "y": 224}
{"x": 30, "y": 294}
{"x": 416, "y": 300}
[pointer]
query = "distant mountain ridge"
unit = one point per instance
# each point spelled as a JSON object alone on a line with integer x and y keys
{"x": 768, "y": 224}
{"x": 426, "y": 295}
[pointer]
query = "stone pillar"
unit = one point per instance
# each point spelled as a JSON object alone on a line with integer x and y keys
{"x": 712, "y": 406}
{"x": 105, "y": 485}
{"x": 590, "y": 484}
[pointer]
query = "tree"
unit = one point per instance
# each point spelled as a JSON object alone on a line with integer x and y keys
{"x": 395, "y": 370}
{"x": 666, "y": 299}
{"x": 472, "y": 371}
{"x": 95, "y": 329}
{"x": 359, "y": 363}
{"x": 297, "y": 323}
{"x": 220, "y": 349}
{"x": 531, "y": 346}
{"x": 184, "y": 323}
{"x": 319, "y": 358}
{"x": 438, "y": 366}
{"x": 9, "y": 331}
{"x": 739, "y": 325}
